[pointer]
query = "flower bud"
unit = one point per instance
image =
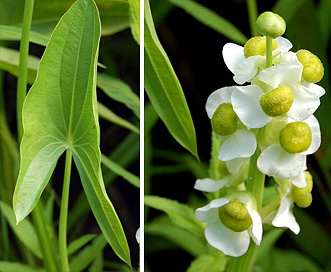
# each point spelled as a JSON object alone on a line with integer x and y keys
{"x": 224, "y": 120}
{"x": 295, "y": 137}
{"x": 234, "y": 215}
{"x": 257, "y": 46}
{"x": 277, "y": 101}
{"x": 313, "y": 70}
{"x": 270, "y": 24}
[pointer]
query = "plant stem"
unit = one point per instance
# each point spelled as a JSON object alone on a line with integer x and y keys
{"x": 64, "y": 213}
{"x": 44, "y": 241}
{"x": 254, "y": 185}
{"x": 252, "y": 15}
{"x": 23, "y": 64}
{"x": 269, "y": 52}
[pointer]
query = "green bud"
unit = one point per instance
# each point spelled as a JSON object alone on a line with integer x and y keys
{"x": 256, "y": 46}
{"x": 270, "y": 24}
{"x": 234, "y": 215}
{"x": 277, "y": 101}
{"x": 313, "y": 70}
{"x": 224, "y": 120}
{"x": 295, "y": 137}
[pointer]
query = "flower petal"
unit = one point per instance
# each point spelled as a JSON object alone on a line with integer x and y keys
{"x": 218, "y": 97}
{"x": 210, "y": 185}
{"x": 284, "y": 216}
{"x": 241, "y": 144}
{"x": 300, "y": 180}
{"x": 275, "y": 161}
{"x": 229, "y": 242}
{"x": 233, "y": 54}
{"x": 246, "y": 104}
{"x": 256, "y": 229}
{"x": 286, "y": 73}
{"x": 209, "y": 213}
{"x": 284, "y": 45}
{"x": 247, "y": 69}
{"x": 316, "y": 135}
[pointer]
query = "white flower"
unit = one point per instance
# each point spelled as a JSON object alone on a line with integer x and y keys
{"x": 245, "y": 69}
{"x": 210, "y": 185}
{"x": 276, "y": 161}
{"x": 230, "y": 242}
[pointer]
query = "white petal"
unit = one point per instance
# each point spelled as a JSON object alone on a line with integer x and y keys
{"x": 300, "y": 180}
{"x": 284, "y": 45}
{"x": 229, "y": 242}
{"x": 246, "y": 104}
{"x": 316, "y": 135}
{"x": 286, "y": 73}
{"x": 275, "y": 161}
{"x": 209, "y": 213}
{"x": 218, "y": 97}
{"x": 241, "y": 144}
{"x": 305, "y": 103}
{"x": 233, "y": 54}
{"x": 247, "y": 69}
{"x": 256, "y": 229}
{"x": 210, "y": 185}
{"x": 284, "y": 216}
{"x": 235, "y": 165}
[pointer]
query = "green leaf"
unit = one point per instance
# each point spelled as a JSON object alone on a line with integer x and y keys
{"x": 79, "y": 243}
{"x": 24, "y": 231}
{"x": 208, "y": 263}
{"x": 110, "y": 116}
{"x": 189, "y": 242}
{"x": 119, "y": 170}
{"x": 14, "y": 33}
{"x": 164, "y": 90}
{"x": 60, "y": 112}
{"x": 88, "y": 254}
{"x": 135, "y": 19}
{"x": 211, "y": 19}
{"x": 180, "y": 214}
{"x": 14, "y": 267}
{"x": 114, "y": 14}
{"x": 119, "y": 91}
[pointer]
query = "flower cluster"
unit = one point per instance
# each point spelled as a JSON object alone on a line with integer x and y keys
{"x": 268, "y": 114}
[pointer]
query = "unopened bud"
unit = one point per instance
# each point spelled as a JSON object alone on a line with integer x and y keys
{"x": 270, "y": 24}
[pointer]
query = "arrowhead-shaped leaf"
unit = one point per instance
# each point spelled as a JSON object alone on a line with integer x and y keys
{"x": 60, "y": 112}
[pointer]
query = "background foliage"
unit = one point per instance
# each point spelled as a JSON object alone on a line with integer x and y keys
{"x": 192, "y": 34}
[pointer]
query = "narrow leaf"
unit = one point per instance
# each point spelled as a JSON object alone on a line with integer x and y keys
{"x": 135, "y": 19}
{"x": 60, "y": 112}
{"x": 14, "y": 267}
{"x": 24, "y": 231}
{"x": 164, "y": 90}
{"x": 211, "y": 19}
{"x": 180, "y": 214}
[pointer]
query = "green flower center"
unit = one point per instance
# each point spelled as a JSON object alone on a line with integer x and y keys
{"x": 295, "y": 137}
{"x": 224, "y": 120}
{"x": 313, "y": 70}
{"x": 256, "y": 46}
{"x": 302, "y": 196}
{"x": 277, "y": 101}
{"x": 234, "y": 215}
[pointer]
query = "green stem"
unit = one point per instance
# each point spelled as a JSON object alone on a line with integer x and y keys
{"x": 23, "y": 71}
{"x": 269, "y": 52}
{"x": 254, "y": 185}
{"x": 64, "y": 214}
{"x": 44, "y": 240}
{"x": 252, "y": 16}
